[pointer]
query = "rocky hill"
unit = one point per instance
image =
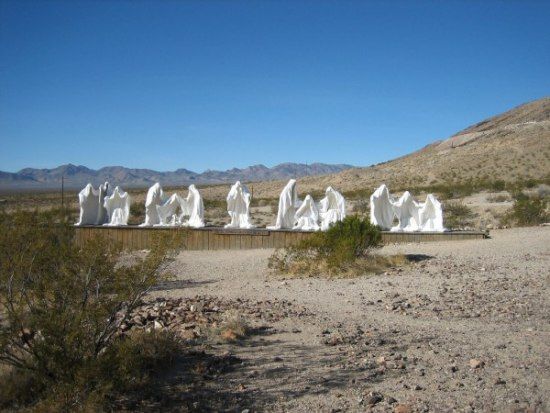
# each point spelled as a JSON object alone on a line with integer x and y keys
{"x": 512, "y": 146}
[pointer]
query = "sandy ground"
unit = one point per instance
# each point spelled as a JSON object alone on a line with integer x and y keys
{"x": 464, "y": 328}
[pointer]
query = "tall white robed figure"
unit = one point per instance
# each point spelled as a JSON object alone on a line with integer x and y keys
{"x": 92, "y": 210}
{"x": 118, "y": 208}
{"x": 192, "y": 207}
{"x": 288, "y": 204}
{"x": 332, "y": 208}
{"x": 238, "y": 206}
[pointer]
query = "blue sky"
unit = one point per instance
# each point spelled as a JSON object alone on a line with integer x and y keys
{"x": 213, "y": 85}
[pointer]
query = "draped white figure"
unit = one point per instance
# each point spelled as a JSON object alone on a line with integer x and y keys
{"x": 117, "y": 206}
{"x": 407, "y": 211}
{"x": 155, "y": 197}
{"x": 238, "y": 206}
{"x": 193, "y": 208}
{"x": 332, "y": 208}
{"x": 307, "y": 215}
{"x": 168, "y": 211}
{"x": 92, "y": 211}
{"x": 413, "y": 216}
{"x": 431, "y": 215}
{"x": 288, "y": 203}
{"x": 381, "y": 208}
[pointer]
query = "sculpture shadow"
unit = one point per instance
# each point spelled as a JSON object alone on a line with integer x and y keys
{"x": 418, "y": 257}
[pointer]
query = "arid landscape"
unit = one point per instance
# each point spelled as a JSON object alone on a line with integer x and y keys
{"x": 480, "y": 167}
{"x": 274, "y": 206}
{"x": 464, "y": 327}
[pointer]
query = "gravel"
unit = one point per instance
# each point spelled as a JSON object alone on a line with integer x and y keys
{"x": 466, "y": 327}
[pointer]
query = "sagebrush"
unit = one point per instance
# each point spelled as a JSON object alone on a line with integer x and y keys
{"x": 331, "y": 251}
{"x": 62, "y": 305}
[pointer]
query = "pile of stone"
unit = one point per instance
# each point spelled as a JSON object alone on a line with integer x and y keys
{"x": 193, "y": 317}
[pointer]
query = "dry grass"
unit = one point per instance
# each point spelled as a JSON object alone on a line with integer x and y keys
{"x": 232, "y": 328}
{"x": 368, "y": 265}
{"x": 499, "y": 198}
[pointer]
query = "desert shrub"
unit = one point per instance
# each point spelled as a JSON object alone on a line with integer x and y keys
{"x": 214, "y": 203}
{"x": 332, "y": 251}
{"x": 498, "y": 198}
{"x": 498, "y": 185}
{"x": 528, "y": 211}
{"x": 362, "y": 206}
{"x": 62, "y": 306}
{"x": 137, "y": 213}
{"x": 451, "y": 189}
{"x": 519, "y": 195}
{"x": 543, "y": 191}
{"x": 361, "y": 193}
{"x": 457, "y": 215}
{"x": 232, "y": 327}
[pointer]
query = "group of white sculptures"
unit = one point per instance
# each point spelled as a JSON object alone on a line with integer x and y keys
{"x": 98, "y": 207}
{"x": 306, "y": 215}
{"x": 412, "y": 216}
{"x": 101, "y": 207}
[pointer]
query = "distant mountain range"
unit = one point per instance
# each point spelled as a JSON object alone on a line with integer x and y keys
{"x": 79, "y": 176}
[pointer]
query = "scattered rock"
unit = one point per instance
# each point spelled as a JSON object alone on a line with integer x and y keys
{"x": 476, "y": 364}
{"x": 402, "y": 408}
{"x": 374, "y": 398}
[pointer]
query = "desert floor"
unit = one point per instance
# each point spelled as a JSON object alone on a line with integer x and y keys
{"x": 464, "y": 328}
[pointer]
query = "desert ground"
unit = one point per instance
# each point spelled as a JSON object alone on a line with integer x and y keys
{"x": 464, "y": 327}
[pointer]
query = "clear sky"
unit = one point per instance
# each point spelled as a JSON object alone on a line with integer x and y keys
{"x": 213, "y": 85}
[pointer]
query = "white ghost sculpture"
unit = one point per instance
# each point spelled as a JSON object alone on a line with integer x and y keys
{"x": 238, "y": 205}
{"x": 288, "y": 203}
{"x": 431, "y": 215}
{"x": 167, "y": 212}
{"x": 155, "y": 196}
{"x": 192, "y": 207}
{"x": 118, "y": 207}
{"x": 92, "y": 211}
{"x": 407, "y": 211}
{"x": 332, "y": 208}
{"x": 307, "y": 216}
{"x": 381, "y": 208}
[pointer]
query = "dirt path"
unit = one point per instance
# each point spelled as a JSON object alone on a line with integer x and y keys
{"x": 465, "y": 328}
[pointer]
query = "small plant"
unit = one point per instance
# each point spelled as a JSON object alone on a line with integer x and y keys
{"x": 543, "y": 191}
{"x": 232, "y": 328}
{"x": 528, "y": 211}
{"x": 331, "y": 251}
{"x": 457, "y": 215}
{"x": 498, "y": 198}
{"x": 137, "y": 213}
{"x": 362, "y": 206}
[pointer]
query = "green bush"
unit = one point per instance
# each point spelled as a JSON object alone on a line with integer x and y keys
{"x": 137, "y": 213}
{"x": 334, "y": 249}
{"x": 362, "y": 206}
{"x": 62, "y": 306}
{"x": 457, "y": 215}
{"x": 528, "y": 211}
